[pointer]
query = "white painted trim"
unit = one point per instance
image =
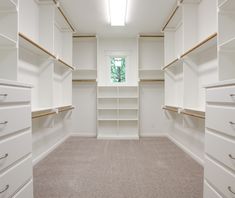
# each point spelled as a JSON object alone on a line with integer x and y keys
{"x": 89, "y": 135}
{"x": 47, "y": 152}
{"x": 117, "y": 137}
{"x": 186, "y": 150}
{"x": 149, "y": 135}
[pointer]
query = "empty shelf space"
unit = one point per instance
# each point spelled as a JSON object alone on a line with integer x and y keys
{"x": 8, "y": 5}
{"x": 6, "y": 41}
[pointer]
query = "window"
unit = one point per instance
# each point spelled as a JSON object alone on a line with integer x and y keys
{"x": 118, "y": 69}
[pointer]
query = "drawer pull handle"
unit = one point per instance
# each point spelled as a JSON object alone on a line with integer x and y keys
{"x": 5, "y": 189}
{"x": 230, "y": 190}
{"x": 232, "y": 123}
{"x": 4, "y": 156}
{"x": 4, "y": 95}
{"x": 232, "y": 95}
{"x": 3, "y": 123}
{"x": 230, "y": 155}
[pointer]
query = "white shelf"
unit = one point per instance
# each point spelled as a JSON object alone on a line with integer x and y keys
{"x": 228, "y": 45}
{"x": 8, "y": 5}
{"x": 6, "y": 41}
{"x": 151, "y": 74}
{"x": 84, "y": 74}
{"x": 227, "y": 5}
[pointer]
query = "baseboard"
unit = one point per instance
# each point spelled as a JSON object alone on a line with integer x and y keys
{"x": 149, "y": 135}
{"x": 91, "y": 135}
{"x": 186, "y": 150}
{"x": 101, "y": 137}
{"x": 47, "y": 152}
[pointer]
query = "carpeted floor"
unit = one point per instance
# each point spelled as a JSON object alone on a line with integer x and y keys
{"x": 90, "y": 168}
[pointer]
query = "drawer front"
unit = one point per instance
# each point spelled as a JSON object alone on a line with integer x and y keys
{"x": 222, "y": 179}
{"x": 221, "y": 94}
{"x": 14, "y": 148}
{"x": 221, "y": 148}
{"x": 26, "y": 191}
{"x": 14, "y": 178}
{"x": 209, "y": 192}
{"x": 13, "y": 119}
{"x": 221, "y": 119}
{"x": 14, "y": 94}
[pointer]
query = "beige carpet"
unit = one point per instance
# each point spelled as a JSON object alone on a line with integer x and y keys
{"x": 90, "y": 168}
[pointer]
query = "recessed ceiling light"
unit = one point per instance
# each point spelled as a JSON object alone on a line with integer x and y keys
{"x": 117, "y": 12}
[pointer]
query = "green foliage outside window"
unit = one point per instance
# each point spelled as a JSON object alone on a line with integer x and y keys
{"x": 118, "y": 69}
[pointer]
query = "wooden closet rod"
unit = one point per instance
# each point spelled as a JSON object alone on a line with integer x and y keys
{"x": 151, "y": 36}
{"x": 66, "y": 109}
{"x": 85, "y": 80}
{"x": 172, "y": 15}
{"x": 36, "y": 45}
{"x": 43, "y": 115}
{"x": 170, "y": 64}
{"x": 170, "y": 109}
{"x": 67, "y": 65}
{"x": 152, "y": 80}
{"x": 84, "y": 36}
{"x": 193, "y": 114}
{"x": 62, "y": 13}
{"x": 199, "y": 44}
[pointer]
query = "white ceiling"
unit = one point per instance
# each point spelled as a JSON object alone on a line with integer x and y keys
{"x": 143, "y": 16}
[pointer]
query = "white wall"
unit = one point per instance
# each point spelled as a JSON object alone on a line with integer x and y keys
{"x": 153, "y": 122}
{"x": 84, "y": 115}
{"x": 127, "y": 47}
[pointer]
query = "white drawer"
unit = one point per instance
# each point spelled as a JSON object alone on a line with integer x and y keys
{"x": 14, "y": 94}
{"x": 209, "y": 192}
{"x": 219, "y": 118}
{"x": 26, "y": 191}
{"x": 15, "y": 119}
{"x": 222, "y": 179}
{"x": 221, "y": 94}
{"x": 14, "y": 148}
{"x": 221, "y": 148}
{"x": 15, "y": 177}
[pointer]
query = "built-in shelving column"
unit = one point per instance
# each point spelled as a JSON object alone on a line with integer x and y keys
{"x": 8, "y": 39}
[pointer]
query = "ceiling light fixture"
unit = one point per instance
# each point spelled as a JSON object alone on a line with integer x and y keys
{"x": 117, "y": 12}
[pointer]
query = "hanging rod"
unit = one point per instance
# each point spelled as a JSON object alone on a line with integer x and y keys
{"x": 151, "y": 80}
{"x": 199, "y": 45}
{"x": 172, "y": 15}
{"x": 193, "y": 113}
{"x": 151, "y": 36}
{"x": 66, "y": 109}
{"x": 84, "y": 36}
{"x": 36, "y": 45}
{"x": 171, "y": 63}
{"x": 170, "y": 108}
{"x": 85, "y": 80}
{"x": 43, "y": 114}
{"x": 66, "y": 64}
{"x": 62, "y": 13}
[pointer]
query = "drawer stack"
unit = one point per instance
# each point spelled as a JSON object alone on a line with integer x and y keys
{"x": 220, "y": 141}
{"x": 15, "y": 141}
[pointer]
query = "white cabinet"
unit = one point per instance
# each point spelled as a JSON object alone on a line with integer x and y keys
{"x": 15, "y": 139}
{"x": 219, "y": 141}
{"x": 118, "y": 112}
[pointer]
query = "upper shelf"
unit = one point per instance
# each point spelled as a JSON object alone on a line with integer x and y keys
{"x": 34, "y": 47}
{"x": 7, "y": 5}
{"x": 6, "y": 41}
{"x": 198, "y": 48}
{"x": 227, "y": 5}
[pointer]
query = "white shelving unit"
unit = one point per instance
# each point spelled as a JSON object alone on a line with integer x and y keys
{"x": 85, "y": 57}
{"x": 8, "y": 39}
{"x": 151, "y": 53}
{"x": 192, "y": 61}
{"x": 226, "y": 39}
{"x": 117, "y": 112}
{"x": 45, "y": 53}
